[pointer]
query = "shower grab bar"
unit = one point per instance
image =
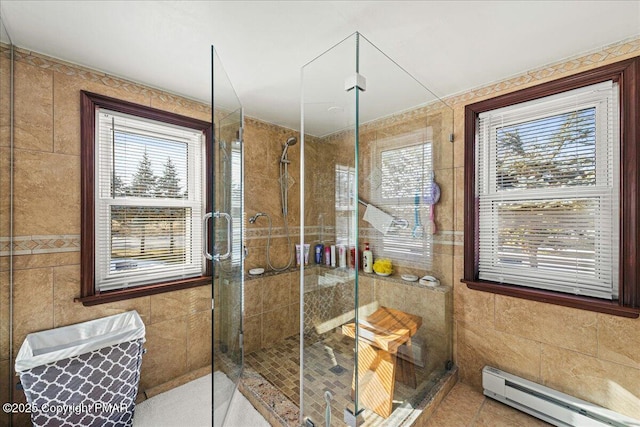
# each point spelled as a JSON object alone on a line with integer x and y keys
{"x": 398, "y": 222}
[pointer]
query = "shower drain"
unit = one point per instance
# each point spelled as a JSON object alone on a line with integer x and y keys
{"x": 337, "y": 370}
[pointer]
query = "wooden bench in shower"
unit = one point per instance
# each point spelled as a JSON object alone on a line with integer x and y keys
{"x": 381, "y": 335}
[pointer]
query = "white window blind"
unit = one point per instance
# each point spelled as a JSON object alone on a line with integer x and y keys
{"x": 406, "y": 176}
{"x": 236, "y": 209}
{"x": 345, "y": 205}
{"x": 547, "y": 186}
{"x": 149, "y": 201}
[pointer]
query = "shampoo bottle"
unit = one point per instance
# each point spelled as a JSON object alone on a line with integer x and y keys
{"x": 367, "y": 259}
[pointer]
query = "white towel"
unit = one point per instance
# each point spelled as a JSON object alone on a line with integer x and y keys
{"x": 379, "y": 219}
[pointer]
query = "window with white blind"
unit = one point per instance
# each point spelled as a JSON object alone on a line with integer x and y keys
{"x": 144, "y": 195}
{"x": 149, "y": 204}
{"x": 345, "y": 205}
{"x": 236, "y": 205}
{"x": 548, "y": 192}
{"x": 406, "y": 175}
{"x": 551, "y": 202}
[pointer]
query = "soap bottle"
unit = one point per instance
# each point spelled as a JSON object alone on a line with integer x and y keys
{"x": 367, "y": 259}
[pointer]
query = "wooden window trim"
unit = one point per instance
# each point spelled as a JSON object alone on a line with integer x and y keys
{"x": 627, "y": 74}
{"x": 89, "y": 102}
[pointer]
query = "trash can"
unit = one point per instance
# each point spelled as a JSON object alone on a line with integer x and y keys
{"x": 85, "y": 374}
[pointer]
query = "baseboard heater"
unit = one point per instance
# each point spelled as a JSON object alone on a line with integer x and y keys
{"x": 547, "y": 404}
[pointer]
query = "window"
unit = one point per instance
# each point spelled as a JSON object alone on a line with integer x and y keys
{"x": 233, "y": 197}
{"x": 548, "y": 192}
{"x": 403, "y": 190}
{"x": 345, "y": 205}
{"x": 546, "y": 188}
{"x": 144, "y": 195}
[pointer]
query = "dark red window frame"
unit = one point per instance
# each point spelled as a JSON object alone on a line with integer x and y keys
{"x": 627, "y": 74}
{"x": 89, "y": 102}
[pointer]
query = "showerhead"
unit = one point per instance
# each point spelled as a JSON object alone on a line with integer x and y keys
{"x": 290, "y": 141}
{"x": 256, "y": 216}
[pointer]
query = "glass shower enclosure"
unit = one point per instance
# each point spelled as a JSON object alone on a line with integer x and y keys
{"x": 375, "y": 143}
{"x": 224, "y": 234}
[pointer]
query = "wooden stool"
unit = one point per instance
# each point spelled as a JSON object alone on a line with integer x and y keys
{"x": 380, "y": 335}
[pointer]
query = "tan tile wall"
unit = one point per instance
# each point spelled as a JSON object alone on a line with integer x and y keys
{"x": 272, "y": 310}
{"x": 591, "y": 356}
{"x": 262, "y": 150}
{"x": 47, "y": 222}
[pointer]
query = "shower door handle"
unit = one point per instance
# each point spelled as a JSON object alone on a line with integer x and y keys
{"x": 218, "y": 257}
{"x": 205, "y": 236}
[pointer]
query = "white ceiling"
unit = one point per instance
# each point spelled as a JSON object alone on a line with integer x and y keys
{"x": 449, "y": 46}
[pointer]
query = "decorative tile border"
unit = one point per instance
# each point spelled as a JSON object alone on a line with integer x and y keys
{"x": 33, "y": 245}
{"x": 455, "y": 238}
{"x": 442, "y": 237}
{"x": 625, "y": 48}
{"x": 255, "y": 233}
{"x": 261, "y": 124}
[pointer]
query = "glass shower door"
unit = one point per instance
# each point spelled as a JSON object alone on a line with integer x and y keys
{"x": 224, "y": 226}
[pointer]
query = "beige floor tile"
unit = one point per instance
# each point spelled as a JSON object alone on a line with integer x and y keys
{"x": 459, "y": 408}
{"x": 494, "y": 413}
{"x": 466, "y": 406}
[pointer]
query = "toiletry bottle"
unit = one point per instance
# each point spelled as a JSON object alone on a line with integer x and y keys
{"x": 298, "y": 255}
{"x": 333, "y": 255}
{"x": 307, "y": 248}
{"x": 327, "y": 255}
{"x": 318, "y": 253}
{"x": 342, "y": 256}
{"x": 352, "y": 257}
{"x": 367, "y": 259}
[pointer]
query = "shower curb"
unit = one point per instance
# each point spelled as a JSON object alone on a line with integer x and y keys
{"x": 432, "y": 400}
{"x": 272, "y": 404}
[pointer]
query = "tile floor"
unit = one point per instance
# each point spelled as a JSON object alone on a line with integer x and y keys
{"x": 279, "y": 365}
{"x": 467, "y": 407}
{"x": 463, "y": 406}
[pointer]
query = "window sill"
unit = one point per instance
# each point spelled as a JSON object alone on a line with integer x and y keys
{"x": 142, "y": 291}
{"x": 574, "y": 301}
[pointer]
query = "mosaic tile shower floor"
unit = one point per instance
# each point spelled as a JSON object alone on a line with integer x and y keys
{"x": 280, "y": 366}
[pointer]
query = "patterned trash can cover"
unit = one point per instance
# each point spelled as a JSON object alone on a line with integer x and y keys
{"x": 85, "y": 374}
